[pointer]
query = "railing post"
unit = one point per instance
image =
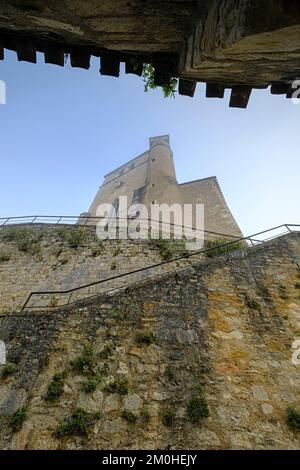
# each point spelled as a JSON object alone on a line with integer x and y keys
{"x": 26, "y": 302}
{"x": 287, "y": 226}
{"x": 6, "y": 220}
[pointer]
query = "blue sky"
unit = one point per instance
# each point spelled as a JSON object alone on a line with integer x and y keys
{"x": 63, "y": 129}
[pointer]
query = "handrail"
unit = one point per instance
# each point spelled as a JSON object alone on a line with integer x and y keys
{"x": 35, "y": 219}
{"x": 288, "y": 227}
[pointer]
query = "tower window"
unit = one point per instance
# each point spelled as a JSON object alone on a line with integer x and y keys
{"x": 153, "y": 159}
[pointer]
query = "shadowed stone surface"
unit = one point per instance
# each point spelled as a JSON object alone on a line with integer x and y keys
{"x": 228, "y": 42}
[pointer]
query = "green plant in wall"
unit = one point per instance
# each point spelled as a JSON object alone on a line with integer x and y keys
{"x": 252, "y": 303}
{"x": 115, "y": 313}
{"x": 27, "y": 240}
{"x": 282, "y": 292}
{"x": 116, "y": 252}
{"x": 169, "y": 88}
{"x": 197, "y": 407}
{"x": 74, "y": 237}
{"x": 4, "y": 257}
{"x": 97, "y": 249}
{"x": 293, "y": 419}
{"x": 129, "y": 416}
{"x": 145, "y": 415}
{"x": 118, "y": 385}
{"x": 78, "y": 424}
{"x": 53, "y": 302}
{"x": 8, "y": 370}
{"x": 86, "y": 361}
{"x": 91, "y": 384}
{"x": 18, "y": 418}
{"x": 145, "y": 338}
{"x": 166, "y": 249}
{"x": 55, "y": 388}
{"x": 170, "y": 373}
{"x": 107, "y": 351}
{"x": 221, "y": 247}
{"x": 168, "y": 416}
{"x": 86, "y": 364}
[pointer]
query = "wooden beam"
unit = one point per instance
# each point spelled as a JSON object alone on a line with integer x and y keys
{"x": 54, "y": 54}
{"x": 187, "y": 87}
{"x": 110, "y": 64}
{"x": 25, "y": 50}
{"x": 240, "y": 95}
{"x": 162, "y": 73}
{"x": 279, "y": 88}
{"x": 133, "y": 67}
{"x": 80, "y": 57}
{"x": 213, "y": 90}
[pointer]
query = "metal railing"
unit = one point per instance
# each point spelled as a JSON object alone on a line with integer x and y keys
{"x": 68, "y": 294}
{"x": 87, "y": 220}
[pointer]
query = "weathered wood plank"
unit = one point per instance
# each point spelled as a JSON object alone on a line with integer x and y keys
{"x": 240, "y": 95}
{"x": 187, "y": 87}
{"x": 54, "y": 54}
{"x": 110, "y": 64}
{"x": 134, "y": 67}
{"x": 213, "y": 90}
{"x": 279, "y": 88}
{"x": 25, "y": 50}
{"x": 80, "y": 57}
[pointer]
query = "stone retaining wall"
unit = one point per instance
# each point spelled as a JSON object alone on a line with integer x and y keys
{"x": 221, "y": 330}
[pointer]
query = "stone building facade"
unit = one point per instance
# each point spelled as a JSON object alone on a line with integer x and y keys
{"x": 150, "y": 178}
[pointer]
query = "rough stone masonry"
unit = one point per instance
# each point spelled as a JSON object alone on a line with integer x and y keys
{"x": 220, "y": 331}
